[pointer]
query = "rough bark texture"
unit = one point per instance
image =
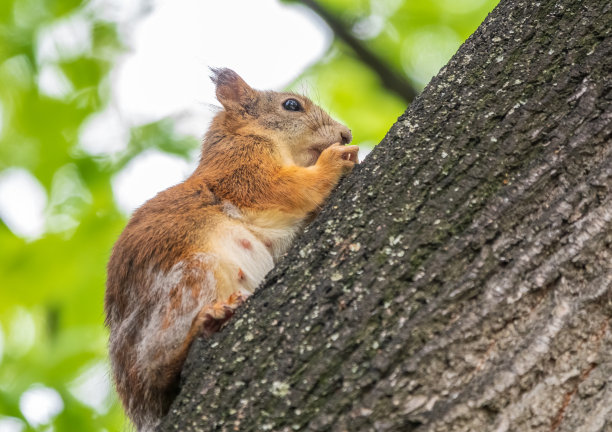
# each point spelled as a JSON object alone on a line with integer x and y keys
{"x": 460, "y": 279}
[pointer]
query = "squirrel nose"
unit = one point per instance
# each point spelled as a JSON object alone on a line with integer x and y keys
{"x": 345, "y": 135}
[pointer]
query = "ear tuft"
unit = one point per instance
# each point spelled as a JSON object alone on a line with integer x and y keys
{"x": 223, "y": 75}
{"x": 231, "y": 89}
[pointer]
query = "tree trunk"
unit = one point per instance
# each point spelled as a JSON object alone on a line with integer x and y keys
{"x": 460, "y": 278}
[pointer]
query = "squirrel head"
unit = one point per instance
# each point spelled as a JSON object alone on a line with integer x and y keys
{"x": 301, "y": 129}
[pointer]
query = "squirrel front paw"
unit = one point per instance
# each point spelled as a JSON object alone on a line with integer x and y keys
{"x": 212, "y": 317}
{"x": 342, "y": 157}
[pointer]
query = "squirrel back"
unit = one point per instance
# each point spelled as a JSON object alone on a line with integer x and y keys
{"x": 189, "y": 256}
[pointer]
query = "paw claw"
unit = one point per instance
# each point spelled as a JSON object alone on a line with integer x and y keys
{"x": 213, "y": 317}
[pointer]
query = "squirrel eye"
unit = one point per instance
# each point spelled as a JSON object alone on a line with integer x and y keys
{"x": 292, "y": 105}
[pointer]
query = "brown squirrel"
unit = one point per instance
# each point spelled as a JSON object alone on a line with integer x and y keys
{"x": 191, "y": 255}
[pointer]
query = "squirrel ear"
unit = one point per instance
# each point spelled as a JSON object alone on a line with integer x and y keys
{"x": 231, "y": 89}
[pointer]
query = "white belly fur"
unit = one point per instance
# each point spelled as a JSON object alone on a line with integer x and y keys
{"x": 248, "y": 246}
{"x": 247, "y": 253}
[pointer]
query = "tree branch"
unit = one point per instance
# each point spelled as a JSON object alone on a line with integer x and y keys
{"x": 389, "y": 78}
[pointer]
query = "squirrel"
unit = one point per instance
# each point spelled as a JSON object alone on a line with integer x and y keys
{"x": 192, "y": 254}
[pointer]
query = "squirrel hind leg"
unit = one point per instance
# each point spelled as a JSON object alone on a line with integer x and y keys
{"x": 212, "y": 318}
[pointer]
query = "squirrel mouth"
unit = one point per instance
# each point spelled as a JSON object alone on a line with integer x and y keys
{"x": 315, "y": 151}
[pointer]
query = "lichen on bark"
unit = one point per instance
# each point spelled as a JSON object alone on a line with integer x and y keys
{"x": 459, "y": 279}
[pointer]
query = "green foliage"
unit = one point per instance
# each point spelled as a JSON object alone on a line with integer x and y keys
{"x": 52, "y": 288}
{"x": 51, "y": 296}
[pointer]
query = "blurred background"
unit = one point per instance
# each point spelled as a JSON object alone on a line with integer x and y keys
{"x": 103, "y": 104}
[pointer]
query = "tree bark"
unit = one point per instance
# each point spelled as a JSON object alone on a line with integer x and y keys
{"x": 460, "y": 278}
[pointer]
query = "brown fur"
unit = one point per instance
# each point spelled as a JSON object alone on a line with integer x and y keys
{"x": 182, "y": 262}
